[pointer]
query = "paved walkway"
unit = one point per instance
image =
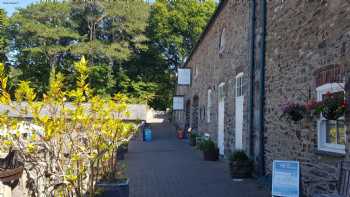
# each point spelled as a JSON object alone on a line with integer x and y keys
{"x": 167, "y": 167}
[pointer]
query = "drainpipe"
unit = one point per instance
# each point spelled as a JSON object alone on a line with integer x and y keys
{"x": 252, "y": 75}
{"x": 262, "y": 86}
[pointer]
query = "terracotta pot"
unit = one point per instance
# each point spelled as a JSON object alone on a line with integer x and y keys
{"x": 180, "y": 134}
{"x": 241, "y": 169}
{"x": 212, "y": 155}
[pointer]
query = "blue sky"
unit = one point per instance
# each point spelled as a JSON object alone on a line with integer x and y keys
{"x": 11, "y": 5}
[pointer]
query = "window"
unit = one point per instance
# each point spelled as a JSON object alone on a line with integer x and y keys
{"x": 222, "y": 41}
{"x": 195, "y": 71}
{"x": 239, "y": 85}
{"x": 209, "y": 105}
{"x": 331, "y": 133}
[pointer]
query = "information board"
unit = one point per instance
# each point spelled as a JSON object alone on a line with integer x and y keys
{"x": 178, "y": 103}
{"x": 184, "y": 76}
{"x": 285, "y": 178}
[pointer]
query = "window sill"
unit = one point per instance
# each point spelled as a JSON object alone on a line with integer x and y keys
{"x": 329, "y": 153}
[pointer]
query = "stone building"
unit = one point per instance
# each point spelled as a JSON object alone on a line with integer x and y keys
{"x": 253, "y": 57}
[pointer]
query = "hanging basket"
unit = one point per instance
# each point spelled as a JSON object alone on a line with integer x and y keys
{"x": 10, "y": 167}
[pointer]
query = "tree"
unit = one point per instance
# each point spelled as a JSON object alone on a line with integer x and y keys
{"x": 175, "y": 26}
{"x": 3, "y": 35}
{"x": 64, "y": 157}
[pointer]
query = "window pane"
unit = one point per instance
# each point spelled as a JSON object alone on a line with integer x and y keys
{"x": 341, "y": 132}
{"x": 331, "y": 132}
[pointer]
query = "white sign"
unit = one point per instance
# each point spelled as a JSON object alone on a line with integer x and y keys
{"x": 285, "y": 178}
{"x": 183, "y": 76}
{"x": 178, "y": 103}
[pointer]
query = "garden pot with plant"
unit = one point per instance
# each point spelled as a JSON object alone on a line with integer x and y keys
{"x": 122, "y": 150}
{"x": 180, "y": 134}
{"x": 240, "y": 165}
{"x": 210, "y": 150}
{"x": 113, "y": 184}
{"x": 293, "y": 111}
{"x": 193, "y": 139}
{"x": 332, "y": 107}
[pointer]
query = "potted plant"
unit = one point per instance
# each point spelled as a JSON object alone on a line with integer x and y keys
{"x": 332, "y": 107}
{"x": 293, "y": 111}
{"x": 193, "y": 139}
{"x": 209, "y": 149}
{"x": 122, "y": 150}
{"x": 113, "y": 184}
{"x": 180, "y": 134}
{"x": 240, "y": 165}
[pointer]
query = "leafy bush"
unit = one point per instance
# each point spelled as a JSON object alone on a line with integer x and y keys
{"x": 239, "y": 156}
{"x": 77, "y": 142}
{"x": 207, "y": 146}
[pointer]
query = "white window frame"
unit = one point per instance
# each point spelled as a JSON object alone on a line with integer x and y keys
{"x": 239, "y": 76}
{"x": 209, "y": 104}
{"x": 321, "y": 127}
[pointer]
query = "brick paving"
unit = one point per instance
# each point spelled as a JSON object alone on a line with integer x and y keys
{"x": 167, "y": 167}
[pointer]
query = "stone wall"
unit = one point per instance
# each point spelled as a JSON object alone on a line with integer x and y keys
{"x": 212, "y": 65}
{"x": 304, "y": 37}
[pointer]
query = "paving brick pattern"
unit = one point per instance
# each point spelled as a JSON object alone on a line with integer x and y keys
{"x": 167, "y": 167}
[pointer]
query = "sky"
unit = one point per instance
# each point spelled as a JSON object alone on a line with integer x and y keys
{"x": 11, "y": 5}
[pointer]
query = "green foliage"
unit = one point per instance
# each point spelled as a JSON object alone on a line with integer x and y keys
{"x": 239, "y": 156}
{"x": 78, "y": 140}
{"x": 4, "y": 22}
{"x": 207, "y": 146}
{"x": 175, "y": 26}
{"x": 134, "y": 46}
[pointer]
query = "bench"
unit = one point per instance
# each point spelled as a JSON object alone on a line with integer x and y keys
{"x": 343, "y": 182}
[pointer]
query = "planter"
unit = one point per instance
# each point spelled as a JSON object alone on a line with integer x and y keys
{"x": 121, "y": 151}
{"x": 332, "y": 115}
{"x": 211, "y": 155}
{"x": 7, "y": 175}
{"x": 180, "y": 134}
{"x": 120, "y": 188}
{"x": 241, "y": 169}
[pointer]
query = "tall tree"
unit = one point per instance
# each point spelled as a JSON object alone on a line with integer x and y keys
{"x": 3, "y": 35}
{"x": 175, "y": 26}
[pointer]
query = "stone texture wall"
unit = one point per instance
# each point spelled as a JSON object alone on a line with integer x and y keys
{"x": 303, "y": 38}
{"x": 210, "y": 67}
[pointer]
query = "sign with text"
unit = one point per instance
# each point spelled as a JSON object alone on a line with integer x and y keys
{"x": 285, "y": 178}
{"x": 184, "y": 76}
{"x": 178, "y": 103}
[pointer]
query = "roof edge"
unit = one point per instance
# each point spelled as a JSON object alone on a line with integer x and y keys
{"x": 213, "y": 18}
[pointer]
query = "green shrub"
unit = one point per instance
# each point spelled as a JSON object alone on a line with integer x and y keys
{"x": 207, "y": 145}
{"x": 239, "y": 156}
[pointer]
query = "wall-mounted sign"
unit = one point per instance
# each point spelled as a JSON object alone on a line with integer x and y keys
{"x": 178, "y": 103}
{"x": 184, "y": 76}
{"x": 285, "y": 178}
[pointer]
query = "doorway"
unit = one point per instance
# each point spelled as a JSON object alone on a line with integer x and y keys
{"x": 221, "y": 119}
{"x": 239, "y": 101}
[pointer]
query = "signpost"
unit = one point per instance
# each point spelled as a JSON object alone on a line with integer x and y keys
{"x": 184, "y": 76}
{"x": 178, "y": 103}
{"x": 285, "y": 178}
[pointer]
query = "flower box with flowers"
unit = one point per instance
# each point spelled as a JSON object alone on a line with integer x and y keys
{"x": 293, "y": 111}
{"x": 332, "y": 107}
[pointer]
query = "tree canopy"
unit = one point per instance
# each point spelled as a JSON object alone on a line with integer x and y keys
{"x": 133, "y": 47}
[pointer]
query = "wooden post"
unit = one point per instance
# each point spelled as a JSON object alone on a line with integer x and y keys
{"x": 347, "y": 115}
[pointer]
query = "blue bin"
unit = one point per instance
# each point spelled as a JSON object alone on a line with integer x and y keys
{"x": 147, "y": 135}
